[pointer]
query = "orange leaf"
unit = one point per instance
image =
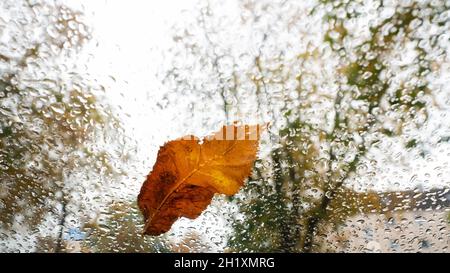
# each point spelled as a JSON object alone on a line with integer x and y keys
{"x": 188, "y": 173}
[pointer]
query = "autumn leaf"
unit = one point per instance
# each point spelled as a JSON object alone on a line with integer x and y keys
{"x": 188, "y": 172}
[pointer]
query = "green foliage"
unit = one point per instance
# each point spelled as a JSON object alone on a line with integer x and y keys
{"x": 283, "y": 216}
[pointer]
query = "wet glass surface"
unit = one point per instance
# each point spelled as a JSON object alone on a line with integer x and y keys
{"x": 357, "y": 95}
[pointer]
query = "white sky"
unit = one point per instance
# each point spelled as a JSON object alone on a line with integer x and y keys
{"x": 124, "y": 55}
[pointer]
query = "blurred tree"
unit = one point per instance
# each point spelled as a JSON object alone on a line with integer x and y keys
{"x": 49, "y": 112}
{"x": 331, "y": 99}
{"x": 365, "y": 103}
{"x": 119, "y": 232}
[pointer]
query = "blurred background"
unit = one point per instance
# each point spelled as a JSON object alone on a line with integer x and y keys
{"x": 357, "y": 94}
